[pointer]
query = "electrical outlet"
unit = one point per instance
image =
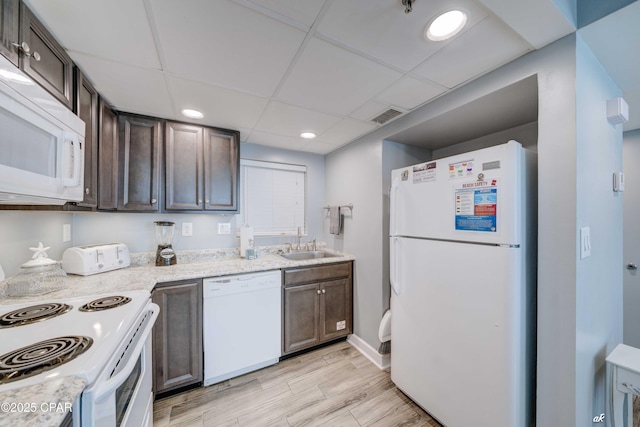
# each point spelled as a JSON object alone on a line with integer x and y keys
{"x": 187, "y": 229}
{"x": 224, "y": 228}
{"x": 66, "y": 232}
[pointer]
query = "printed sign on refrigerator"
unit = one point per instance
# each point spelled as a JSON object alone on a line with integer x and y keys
{"x": 476, "y": 205}
{"x": 425, "y": 172}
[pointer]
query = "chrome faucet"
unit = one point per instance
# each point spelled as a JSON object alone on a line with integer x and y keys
{"x": 298, "y": 239}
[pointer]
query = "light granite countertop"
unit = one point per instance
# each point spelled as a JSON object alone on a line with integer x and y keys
{"x": 43, "y": 404}
{"x": 141, "y": 275}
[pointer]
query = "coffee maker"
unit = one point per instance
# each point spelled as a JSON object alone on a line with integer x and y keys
{"x": 165, "y": 255}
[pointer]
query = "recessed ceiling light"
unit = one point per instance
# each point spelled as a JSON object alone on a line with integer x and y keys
{"x": 308, "y": 135}
{"x": 192, "y": 114}
{"x": 446, "y": 25}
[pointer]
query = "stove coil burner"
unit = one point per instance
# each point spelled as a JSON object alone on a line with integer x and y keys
{"x": 42, "y": 356}
{"x": 105, "y": 303}
{"x": 32, "y": 314}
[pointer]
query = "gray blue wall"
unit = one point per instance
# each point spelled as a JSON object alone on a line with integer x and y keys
{"x": 571, "y": 353}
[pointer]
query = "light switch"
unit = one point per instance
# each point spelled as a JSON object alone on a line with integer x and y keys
{"x": 66, "y": 232}
{"x": 187, "y": 229}
{"x": 585, "y": 242}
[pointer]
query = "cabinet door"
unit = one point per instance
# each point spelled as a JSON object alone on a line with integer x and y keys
{"x": 335, "y": 309}
{"x": 9, "y": 32}
{"x": 301, "y": 317}
{"x": 48, "y": 64}
{"x": 183, "y": 169}
{"x": 177, "y": 335}
{"x": 107, "y": 158}
{"x": 221, "y": 169}
{"x": 139, "y": 163}
{"x": 86, "y": 107}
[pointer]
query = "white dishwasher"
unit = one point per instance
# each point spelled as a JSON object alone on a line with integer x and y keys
{"x": 241, "y": 324}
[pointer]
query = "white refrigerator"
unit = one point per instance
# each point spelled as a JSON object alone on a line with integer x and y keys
{"x": 462, "y": 270}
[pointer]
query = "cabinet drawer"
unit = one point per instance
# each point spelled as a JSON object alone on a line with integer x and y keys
{"x": 317, "y": 274}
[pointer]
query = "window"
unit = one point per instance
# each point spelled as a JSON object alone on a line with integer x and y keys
{"x": 273, "y": 197}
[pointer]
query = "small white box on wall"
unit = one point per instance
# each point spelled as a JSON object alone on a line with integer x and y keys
{"x": 617, "y": 111}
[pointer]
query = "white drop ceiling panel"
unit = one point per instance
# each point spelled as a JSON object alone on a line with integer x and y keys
{"x": 345, "y": 131}
{"x": 539, "y": 22}
{"x": 331, "y": 79}
{"x": 227, "y": 108}
{"x": 381, "y": 29}
{"x": 284, "y": 119}
{"x": 486, "y": 46}
{"x": 131, "y": 89}
{"x": 407, "y": 93}
{"x": 273, "y": 68}
{"x": 278, "y": 141}
{"x": 369, "y": 110}
{"x": 225, "y": 44}
{"x": 302, "y": 11}
{"x": 115, "y": 29}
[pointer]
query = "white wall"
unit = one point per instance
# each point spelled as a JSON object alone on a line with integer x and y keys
{"x": 598, "y": 284}
{"x": 19, "y": 230}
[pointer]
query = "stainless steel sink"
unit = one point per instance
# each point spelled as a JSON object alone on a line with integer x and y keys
{"x": 299, "y": 256}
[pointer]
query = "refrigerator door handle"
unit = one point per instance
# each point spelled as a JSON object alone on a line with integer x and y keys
{"x": 393, "y": 268}
{"x": 392, "y": 207}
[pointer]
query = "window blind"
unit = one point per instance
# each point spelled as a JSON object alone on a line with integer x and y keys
{"x": 273, "y": 197}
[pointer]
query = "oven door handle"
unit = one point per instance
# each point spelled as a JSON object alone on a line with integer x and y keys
{"x": 108, "y": 387}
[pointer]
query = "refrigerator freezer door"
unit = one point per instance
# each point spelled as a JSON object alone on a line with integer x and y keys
{"x": 459, "y": 347}
{"x": 475, "y": 197}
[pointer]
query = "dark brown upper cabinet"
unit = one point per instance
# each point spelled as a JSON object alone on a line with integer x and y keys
{"x": 86, "y": 107}
{"x": 201, "y": 169}
{"x": 107, "y": 158}
{"x": 139, "y": 163}
{"x": 43, "y": 59}
{"x": 9, "y": 30}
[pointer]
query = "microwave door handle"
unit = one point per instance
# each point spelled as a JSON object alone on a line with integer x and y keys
{"x": 72, "y": 151}
{"x": 107, "y": 388}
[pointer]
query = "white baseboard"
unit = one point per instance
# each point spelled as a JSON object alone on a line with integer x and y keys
{"x": 382, "y": 361}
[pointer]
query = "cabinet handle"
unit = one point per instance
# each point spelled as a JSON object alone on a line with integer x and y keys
{"x": 153, "y": 201}
{"x": 318, "y": 291}
{"x": 86, "y": 190}
{"x": 24, "y": 47}
{"x": 206, "y": 201}
{"x": 324, "y": 291}
{"x": 199, "y": 201}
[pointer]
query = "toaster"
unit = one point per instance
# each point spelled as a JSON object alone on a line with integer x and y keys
{"x": 93, "y": 259}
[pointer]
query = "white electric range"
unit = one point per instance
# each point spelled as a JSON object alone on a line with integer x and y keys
{"x": 105, "y": 339}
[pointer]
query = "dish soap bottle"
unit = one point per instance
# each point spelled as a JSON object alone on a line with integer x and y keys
{"x": 40, "y": 275}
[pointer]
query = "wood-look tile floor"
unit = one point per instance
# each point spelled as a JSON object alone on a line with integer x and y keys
{"x": 334, "y": 386}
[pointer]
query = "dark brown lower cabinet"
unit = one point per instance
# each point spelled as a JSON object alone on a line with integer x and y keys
{"x": 177, "y": 335}
{"x": 317, "y": 305}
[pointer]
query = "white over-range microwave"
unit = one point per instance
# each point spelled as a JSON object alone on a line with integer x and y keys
{"x": 41, "y": 143}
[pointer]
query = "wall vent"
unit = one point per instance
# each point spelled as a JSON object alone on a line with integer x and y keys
{"x": 386, "y": 116}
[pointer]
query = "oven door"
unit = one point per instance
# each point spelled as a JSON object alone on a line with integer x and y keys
{"x": 122, "y": 396}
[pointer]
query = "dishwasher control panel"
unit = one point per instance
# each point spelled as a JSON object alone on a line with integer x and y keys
{"x": 239, "y": 283}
